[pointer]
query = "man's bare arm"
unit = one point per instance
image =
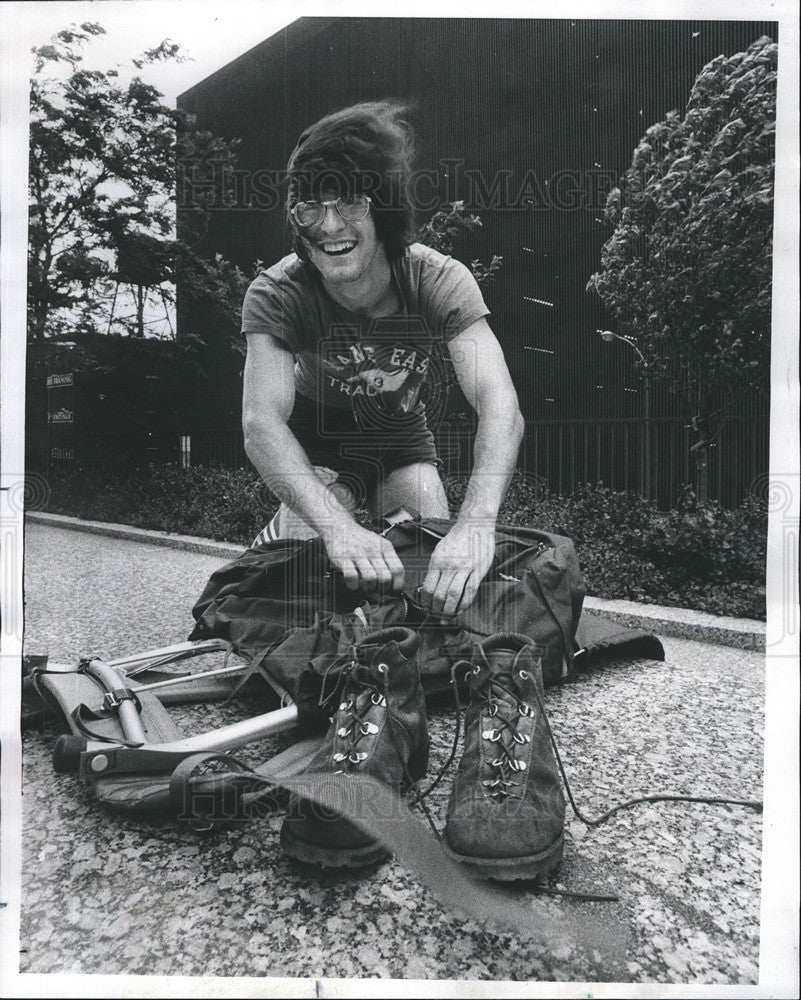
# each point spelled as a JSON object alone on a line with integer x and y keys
{"x": 364, "y": 557}
{"x": 267, "y": 402}
{"x": 485, "y": 380}
{"x": 462, "y": 559}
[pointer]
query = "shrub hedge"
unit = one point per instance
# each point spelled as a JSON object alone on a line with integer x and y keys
{"x": 697, "y": 555}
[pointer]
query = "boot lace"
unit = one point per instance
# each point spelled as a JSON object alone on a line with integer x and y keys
{"x": 356, "y": 690}
{"x": 508, "y": 767}
{"x": 347, "y": 679}
{"x": 503, "y": 682}
{"x": 352, "y": 682}
{"x": 755, "y": 804}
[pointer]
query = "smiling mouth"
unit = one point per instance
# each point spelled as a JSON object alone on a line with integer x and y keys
{"x": 338, "y": 249}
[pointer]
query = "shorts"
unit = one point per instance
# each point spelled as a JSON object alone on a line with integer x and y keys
{"x": 362, "y": 452}
{"x": 342, "y": 449}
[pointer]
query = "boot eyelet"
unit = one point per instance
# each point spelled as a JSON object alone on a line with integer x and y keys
{"x": 382, "y": 668}
{"x": 491, "y": 734}
{"x": 524, "y": 675}
{"x": 476, "y": 669}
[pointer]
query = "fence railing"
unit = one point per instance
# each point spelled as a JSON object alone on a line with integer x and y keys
{"x": 224, "y": 448}
{"x": 651, "y": 458}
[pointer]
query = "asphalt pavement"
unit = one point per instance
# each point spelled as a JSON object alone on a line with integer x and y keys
{"x": 108, "y": 894}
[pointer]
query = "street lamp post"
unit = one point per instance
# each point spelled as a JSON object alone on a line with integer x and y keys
{"x": 608, "y": 336}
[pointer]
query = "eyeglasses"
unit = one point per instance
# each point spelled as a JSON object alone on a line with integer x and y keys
{"x": 311, "y": 213}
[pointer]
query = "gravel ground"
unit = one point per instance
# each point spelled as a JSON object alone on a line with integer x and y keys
{"x": 105, "y": 894}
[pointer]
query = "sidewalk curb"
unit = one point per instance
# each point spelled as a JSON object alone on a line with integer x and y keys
{"x": 189, "y": 543}
{"x": 679, "y": 623}
{"x": 683, "y": 623}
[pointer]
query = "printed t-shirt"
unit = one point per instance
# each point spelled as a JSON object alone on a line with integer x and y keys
{"x": 350, "y": 361}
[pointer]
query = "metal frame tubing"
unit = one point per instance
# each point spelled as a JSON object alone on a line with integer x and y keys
{"x": 226, "y": 738}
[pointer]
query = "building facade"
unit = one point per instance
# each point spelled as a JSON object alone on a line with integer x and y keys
{"x": 530, "y": 123}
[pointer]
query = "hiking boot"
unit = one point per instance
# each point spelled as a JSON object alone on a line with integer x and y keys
{"x": 506, "y": 813}
{"x": 379, "y": 729}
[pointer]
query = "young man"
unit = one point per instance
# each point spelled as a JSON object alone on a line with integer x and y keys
{"x": 339, "y": 337}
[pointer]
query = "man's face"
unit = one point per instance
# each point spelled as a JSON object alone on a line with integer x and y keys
{"x": 341, "y": 250}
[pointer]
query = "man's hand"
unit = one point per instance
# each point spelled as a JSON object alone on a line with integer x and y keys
{"x": 365, "y": 559}
{"x": 458, "y": 565}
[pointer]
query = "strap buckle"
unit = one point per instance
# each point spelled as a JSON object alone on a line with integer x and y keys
{"x": 113, "y": 699}
{"x": 400, "y": 515}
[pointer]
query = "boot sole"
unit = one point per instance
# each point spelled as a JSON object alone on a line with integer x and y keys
{"x": 331, "y": 857}
{"x": 339, "y": 857}
{"x": 529, "y": 868}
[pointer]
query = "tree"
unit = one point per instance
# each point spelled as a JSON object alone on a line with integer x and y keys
{"x": 444, "y": 228}
{"x": 103, "y": 160}
{"x": 687, "y": 272}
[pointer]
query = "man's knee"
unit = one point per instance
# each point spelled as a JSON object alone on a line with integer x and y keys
{"x": 344, "y": 495}
{"x": 417, "y": 485}
{"x": 286, "y": 523}
{"x": 341, "y": 491}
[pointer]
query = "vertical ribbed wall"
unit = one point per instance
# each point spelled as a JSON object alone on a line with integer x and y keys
{"x": 546, "y": 96}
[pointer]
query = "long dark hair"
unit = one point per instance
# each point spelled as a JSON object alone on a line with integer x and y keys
{"x": 364, "y": 149}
